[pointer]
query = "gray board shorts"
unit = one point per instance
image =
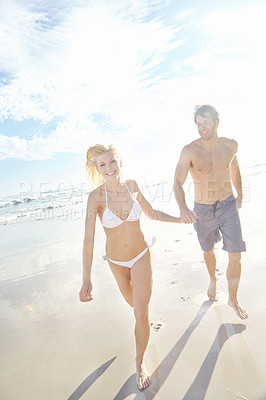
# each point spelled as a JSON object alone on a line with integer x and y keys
{"x": 221, "y": 217}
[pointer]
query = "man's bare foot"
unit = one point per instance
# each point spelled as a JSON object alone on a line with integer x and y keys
{"x": 212, "y": 291}
{"x": 143, "y": 377}
{"x": 240, "y": 311}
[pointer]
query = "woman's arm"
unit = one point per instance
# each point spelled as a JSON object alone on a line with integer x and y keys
{"x": 150, "y": 212}
{"x": 88, "y": 245}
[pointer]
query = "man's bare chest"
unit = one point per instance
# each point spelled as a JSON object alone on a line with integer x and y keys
{"x": 211, "y": 163}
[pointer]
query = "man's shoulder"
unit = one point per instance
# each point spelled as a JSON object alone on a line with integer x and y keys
{"x": 228, "y": 140}
{"x": 232, "y": 143}
{"x": 190, "y": 147}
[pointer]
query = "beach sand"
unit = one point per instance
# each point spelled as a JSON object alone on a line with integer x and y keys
{"x": 53, "y": 347}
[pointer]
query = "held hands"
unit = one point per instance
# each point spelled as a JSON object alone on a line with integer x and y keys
{"x": 85, "y": 292}
{"x": 188, "y": 216}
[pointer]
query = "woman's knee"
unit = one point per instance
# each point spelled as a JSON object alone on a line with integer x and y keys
{"x": 130, "y": 301}
{"x": 127, "y": 293}
{"x": 141, "y": 314}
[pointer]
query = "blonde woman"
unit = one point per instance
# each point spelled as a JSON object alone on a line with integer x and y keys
{"x": 119, "y": 207}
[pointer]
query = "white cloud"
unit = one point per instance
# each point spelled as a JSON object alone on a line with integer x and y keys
{"x": 94, "y": 61}
{"x": 69, "y": 136}
{"x": 184, "y": 14}
{"x": 246, "y": 26}
{"x": 106, "y": 60}
{"x": 19, "y": 149}
{"x": 91, "y": 59}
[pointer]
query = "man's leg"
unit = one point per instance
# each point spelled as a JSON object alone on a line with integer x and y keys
{"x": 210, "y": 261}
{"x": 233, "y": 277}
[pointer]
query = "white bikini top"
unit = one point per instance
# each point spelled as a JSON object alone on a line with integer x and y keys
{"x": 110, "y": 220}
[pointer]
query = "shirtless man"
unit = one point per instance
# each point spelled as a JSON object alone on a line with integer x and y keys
{"x": 213, "y": 165}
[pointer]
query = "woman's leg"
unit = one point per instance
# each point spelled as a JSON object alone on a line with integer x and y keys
{"x": 141, "y": 277}
{"x": 123, "y": 279}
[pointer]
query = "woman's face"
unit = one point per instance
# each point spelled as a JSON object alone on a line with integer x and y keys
{"x": 107, "y": 166}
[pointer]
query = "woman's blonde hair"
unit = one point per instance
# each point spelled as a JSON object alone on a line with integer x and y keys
{"x": 91, "y": 164}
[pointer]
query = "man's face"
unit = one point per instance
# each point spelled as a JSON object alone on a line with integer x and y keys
{"x": 207, "y": 127}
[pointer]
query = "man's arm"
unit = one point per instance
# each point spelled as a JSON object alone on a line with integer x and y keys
{"x": 237, "y": 180}
{"x": 181, "y": 173}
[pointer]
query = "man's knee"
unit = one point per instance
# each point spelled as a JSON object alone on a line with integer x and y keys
{"x": 209, "y": 253}
{"x": 234, "y": 257}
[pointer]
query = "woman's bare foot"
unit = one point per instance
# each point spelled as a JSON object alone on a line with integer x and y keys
{"x": 143, "y": 377}
{"x": 212, "y": 290}
{"x": 240, "y": 311}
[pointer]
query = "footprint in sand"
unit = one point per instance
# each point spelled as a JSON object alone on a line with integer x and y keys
{"x": 175, "y": 264}
{"x": 174, "y": 282}
{"x": 219, "y": 272}
{"x": 185, "y": 298}
{"x": 177, "y": 240}
{"x": 155, "y": 326}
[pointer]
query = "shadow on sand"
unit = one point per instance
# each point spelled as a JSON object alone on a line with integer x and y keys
{"x": 200, "y": 385}
{"x": 84, "y": 386}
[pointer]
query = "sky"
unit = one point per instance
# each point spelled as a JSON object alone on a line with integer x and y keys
{"x": 78, "y": 72}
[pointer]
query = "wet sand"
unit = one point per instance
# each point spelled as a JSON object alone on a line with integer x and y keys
{"x": 54, "y": 347}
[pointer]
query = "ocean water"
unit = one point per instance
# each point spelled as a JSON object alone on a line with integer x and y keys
{"x": 67, "y": 204}
{"x": 71, "y": 203}
{"x": 44, "y": 205}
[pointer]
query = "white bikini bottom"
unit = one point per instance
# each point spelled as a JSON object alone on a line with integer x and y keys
{"x": 130, "y": 263}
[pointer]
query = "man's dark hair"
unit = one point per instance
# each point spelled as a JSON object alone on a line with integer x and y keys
{"x": 206, "y": 108}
